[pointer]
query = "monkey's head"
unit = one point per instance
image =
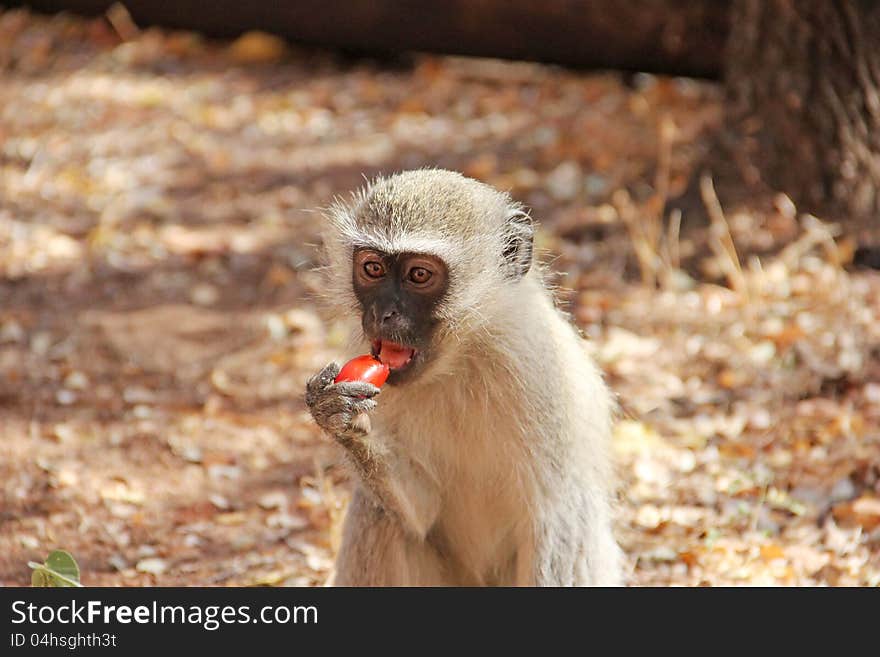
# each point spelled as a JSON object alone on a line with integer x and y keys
{"x": 423, "y": 257}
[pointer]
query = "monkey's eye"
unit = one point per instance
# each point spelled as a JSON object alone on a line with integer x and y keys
{"x": 374, "y": 269}
{"x": 419, "y": 275}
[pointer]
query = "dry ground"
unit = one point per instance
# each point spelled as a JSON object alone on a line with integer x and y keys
{"x": 157, "y": 227}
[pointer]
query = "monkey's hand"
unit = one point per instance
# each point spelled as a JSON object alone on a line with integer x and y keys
{"x": 341, "y": 409}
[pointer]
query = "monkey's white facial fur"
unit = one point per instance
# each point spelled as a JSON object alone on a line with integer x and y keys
{"x": 419, "y": 254}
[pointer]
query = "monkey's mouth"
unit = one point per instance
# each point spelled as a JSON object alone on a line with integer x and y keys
{"x": 395, "y": 356}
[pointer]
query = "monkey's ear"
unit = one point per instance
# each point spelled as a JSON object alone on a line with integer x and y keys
{"x": 519, "y": 234}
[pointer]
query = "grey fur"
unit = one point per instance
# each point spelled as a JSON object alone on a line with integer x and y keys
{"x": 491, "y": 467}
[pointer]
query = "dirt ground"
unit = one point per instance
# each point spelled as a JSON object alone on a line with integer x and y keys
{"x": 159, "y": 211}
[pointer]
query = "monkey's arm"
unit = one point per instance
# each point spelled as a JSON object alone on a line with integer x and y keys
{"x": 400, "y": 485}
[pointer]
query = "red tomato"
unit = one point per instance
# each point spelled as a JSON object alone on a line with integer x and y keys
{"x": 364, "y": 368}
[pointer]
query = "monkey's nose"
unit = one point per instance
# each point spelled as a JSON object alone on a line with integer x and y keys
{"x": 392, "y": 322}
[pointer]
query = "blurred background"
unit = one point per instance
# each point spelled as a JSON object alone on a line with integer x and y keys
{"x": 707, "y": 180}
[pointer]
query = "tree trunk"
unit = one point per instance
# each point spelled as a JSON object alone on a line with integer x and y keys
{"x": 803, "y": 99}
{"x": 676, "y": 37}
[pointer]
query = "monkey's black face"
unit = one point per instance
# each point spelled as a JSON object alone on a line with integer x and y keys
{"x": 398, "y": 294}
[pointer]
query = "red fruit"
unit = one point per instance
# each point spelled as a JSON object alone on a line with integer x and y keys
{"x": 364, "y": 368}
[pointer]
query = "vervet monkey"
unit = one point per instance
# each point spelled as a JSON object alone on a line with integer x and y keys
{"x": 484, "y": 460}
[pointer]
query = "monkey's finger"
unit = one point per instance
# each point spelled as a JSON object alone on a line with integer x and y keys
{"x": 337, "y": 424}
{"x": 325, "y": 377}
{"x": 346, "y": 425}
{"x": 319, "y": 382}
{"x": 363, "y": 405}
{"x": 330, "y": 370}
{"x": 355, "y": 389}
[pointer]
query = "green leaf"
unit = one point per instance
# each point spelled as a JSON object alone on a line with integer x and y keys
{"x": 60, "y": 569}
{"x": 64, "y": 564}
{"x": 40, "y": 577}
